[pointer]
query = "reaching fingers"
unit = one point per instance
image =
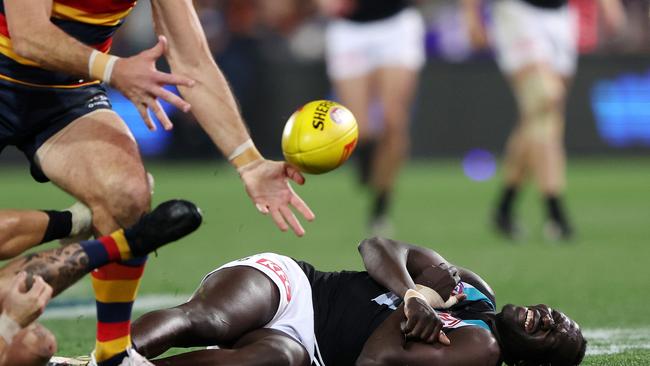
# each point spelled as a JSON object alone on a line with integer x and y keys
{"x": 302, "y": 207}
{"x": 442, "y": 337}
{"x": 161, "y": 115}
{"x": 292, "y": 220}
{"x": 172, "y": 98}
{"x": 158, "y": 50}
{"x": 37, "y": 286}
{"x": 409, "y": 325}
{"x": 144, "y": 113}
{"x": 173, "y": 79}
{"x": 294, "y": 174}
{"x": 279, "y": 220}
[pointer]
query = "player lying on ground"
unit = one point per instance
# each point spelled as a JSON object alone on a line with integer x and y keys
{"x": 27, "y": 283}
{"x": 269, "y": 309}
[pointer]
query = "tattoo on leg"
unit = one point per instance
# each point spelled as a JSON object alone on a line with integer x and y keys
{"x": 60, "y": 268}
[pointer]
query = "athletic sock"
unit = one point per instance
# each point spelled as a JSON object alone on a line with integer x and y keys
{"x": 365, "y": 154}
{"x": 107, "y": 249}
{"x": 381, "y": 203}
{"x": 555, "y": 211}
{"x": 116, "y": 286}
{"x": 507, "y": 199}
{"x": 58, "y": 226}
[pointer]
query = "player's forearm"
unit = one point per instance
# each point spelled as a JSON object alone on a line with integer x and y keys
{"x": 214, "y": 106}
{"x": 386, "y": 264}
{"x": 36, "y": 38}
{"x": 188, "y": 54}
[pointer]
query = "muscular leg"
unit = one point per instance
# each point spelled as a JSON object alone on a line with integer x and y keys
{"x": 23, "y": 229}
{"x": 230, "y": 303}
{"x": 262, "y": 347}
{"x": 96, "y": 160}
{"x": 396, "y": 86}
{"x": 540, "y": 96}
{"x": 536, "y": 144}
{"x": 20, "y": 230}
{"x": 355, "y": 94}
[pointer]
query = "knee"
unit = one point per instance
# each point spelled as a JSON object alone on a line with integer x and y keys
{"x": 125, "y": 200}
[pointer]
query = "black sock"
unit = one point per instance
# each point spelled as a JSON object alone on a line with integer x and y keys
{"x": 380, "y": 207}
{"x": 507, "y": 198}
{"x": 59, "y": 226}
{"x": 555, "y": 210}
{"x": 365, "y": 155}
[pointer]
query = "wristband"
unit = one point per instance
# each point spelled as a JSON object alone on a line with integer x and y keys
{"x": 244, "y": 154}
{"x": 100, "y": 66}
{"x": 434, "y": 299}
{"x": 413, "y": 293}
{"x": 8, "y": 328}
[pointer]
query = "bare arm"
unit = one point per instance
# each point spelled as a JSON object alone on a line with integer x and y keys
{"x": 215, "y": 109}
{"x": 614, "y": 16}
{"x": 188, "y": 54}
{"x": 395, "y": 264}
{"x": 470, "y": 346}
{"x": 36, "y": 38}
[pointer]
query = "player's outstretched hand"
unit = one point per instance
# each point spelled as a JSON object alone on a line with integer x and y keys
{"x": 422, "y": 323}
{"x": 22, "y": 305}
{"x": 138, "y": 79}
{"x": 267, "y": 184}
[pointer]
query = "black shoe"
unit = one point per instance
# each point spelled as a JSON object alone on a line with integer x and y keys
{"x": 506, "y": 227}
{"x": 557, "y": 231}
{"x": 168, "y": 222}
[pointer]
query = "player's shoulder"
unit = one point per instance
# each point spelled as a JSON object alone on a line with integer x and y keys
{"x": 482, "y": 343}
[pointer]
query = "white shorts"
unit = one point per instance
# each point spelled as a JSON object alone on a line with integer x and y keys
{"x": 295, "y": 314}
{"x": 357, "y": 48}
{"x": 524, "y": 34}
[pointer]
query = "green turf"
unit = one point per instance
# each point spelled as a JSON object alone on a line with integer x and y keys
{"x": 601, "y": 279}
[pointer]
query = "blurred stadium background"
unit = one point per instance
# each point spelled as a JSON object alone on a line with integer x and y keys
{"x": 271, "y": 52}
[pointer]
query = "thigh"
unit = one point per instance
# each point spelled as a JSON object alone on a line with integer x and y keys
{"x": 263, "y": 347}
{"x": 396, "y": 91}
{"x": 231, "y": 302}
{"x": 96, "y": 159}
{"x": 355, "y": 94}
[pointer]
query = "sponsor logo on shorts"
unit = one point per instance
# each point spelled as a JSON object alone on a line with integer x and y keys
{"x": 99, "y": 101}
{"x": 279, "y": 272}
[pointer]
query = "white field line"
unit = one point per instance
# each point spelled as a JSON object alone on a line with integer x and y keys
{"x": 72, "y": 309}
{"x": 601, "y": 340}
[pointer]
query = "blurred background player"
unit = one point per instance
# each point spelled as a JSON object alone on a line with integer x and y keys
{"x": 374, "y": 52}
{"x": 54, "y": 55}
{"x": 536, "y": 48}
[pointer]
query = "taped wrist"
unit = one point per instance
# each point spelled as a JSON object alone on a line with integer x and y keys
{"x": 100, "y": 66}
{"x": 244, "y": 154}
{"x": 434, "y": 299}
{"x": 8, "y": 328}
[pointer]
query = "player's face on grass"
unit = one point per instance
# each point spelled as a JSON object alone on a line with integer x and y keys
{"x": 540, "y": 334}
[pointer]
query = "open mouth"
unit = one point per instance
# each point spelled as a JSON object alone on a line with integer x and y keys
{"x": 529, "y": 322}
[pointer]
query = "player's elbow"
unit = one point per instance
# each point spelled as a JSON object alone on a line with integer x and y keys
{"x": 373, "y": 244}
{"x": 24, "y": 41}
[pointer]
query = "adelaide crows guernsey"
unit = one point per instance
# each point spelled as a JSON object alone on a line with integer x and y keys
{"x": 91, "y": 22}
{"x": 349, "y": 306}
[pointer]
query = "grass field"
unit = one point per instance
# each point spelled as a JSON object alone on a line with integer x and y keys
{"x": 601, "y": 279}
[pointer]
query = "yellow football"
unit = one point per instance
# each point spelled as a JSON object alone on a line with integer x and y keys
{"x": 319, "y": 136}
